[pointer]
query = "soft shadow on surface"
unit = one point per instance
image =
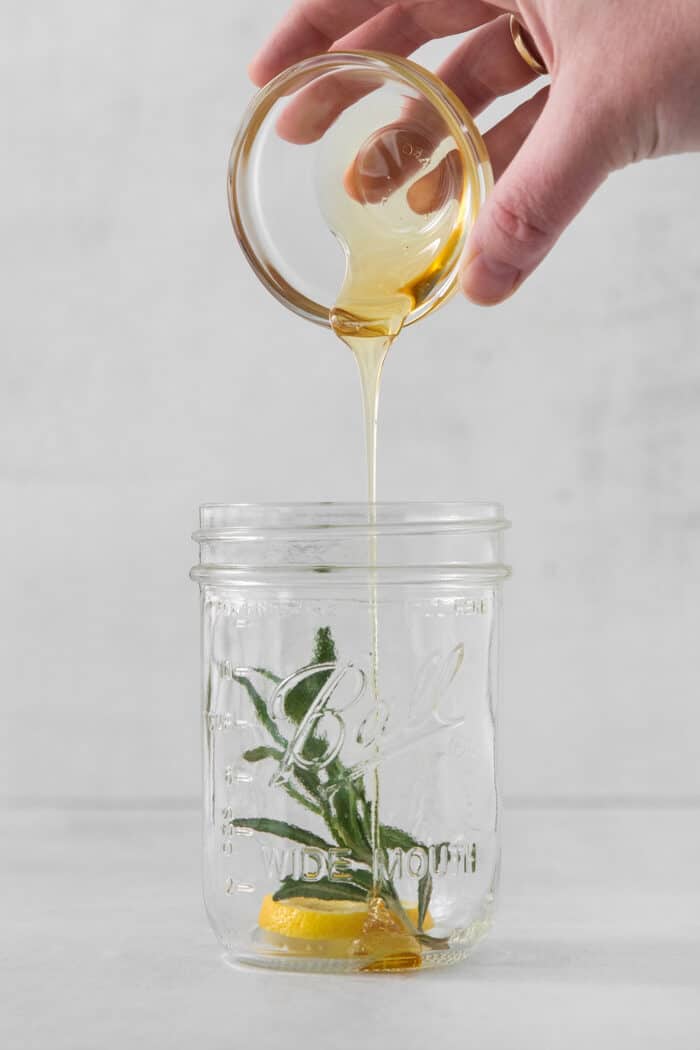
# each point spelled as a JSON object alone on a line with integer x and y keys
{"x": 652, "y": 963}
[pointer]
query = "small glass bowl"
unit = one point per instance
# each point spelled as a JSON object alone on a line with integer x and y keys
{"x": 277, "y": 178}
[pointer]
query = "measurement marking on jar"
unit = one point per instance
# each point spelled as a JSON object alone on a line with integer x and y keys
{"x": 472, "y": 607}
{"x": 225, "y": 723}
{"x": 237, "y": 776}
{"x": 229, "y": 829}
{"x": 231, "y": 886}
{"x": 229, "y": 670}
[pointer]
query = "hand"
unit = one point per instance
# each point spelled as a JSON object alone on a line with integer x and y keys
{"x": 625, "y": 86}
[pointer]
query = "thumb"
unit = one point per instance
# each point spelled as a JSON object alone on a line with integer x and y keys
{"x": 556, "y": 170}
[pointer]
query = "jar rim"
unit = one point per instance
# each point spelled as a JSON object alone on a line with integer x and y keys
{"x": 238, "y": 520}
{"x": 268, "y": 544}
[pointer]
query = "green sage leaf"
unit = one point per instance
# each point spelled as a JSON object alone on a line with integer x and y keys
{"x": 425, "y": 890}
{"x": 300, "y": 698}
{"x": 283, "y": 830}
{"x": 261, "y": 710}
{"x": 395, "y": 838}
{"x": 324, "y": 647}
{"x": 323, "y": 889}
{"x": 257, "y": 754}
{"x": 268, "y": 674}
{"x": 302, "y": 799}
{"x": 347, "y": 805}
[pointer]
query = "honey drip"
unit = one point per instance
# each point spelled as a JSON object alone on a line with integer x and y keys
{"x": 385, "y": 941}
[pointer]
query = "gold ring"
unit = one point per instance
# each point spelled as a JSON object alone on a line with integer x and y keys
{"x": 525, "y": 47}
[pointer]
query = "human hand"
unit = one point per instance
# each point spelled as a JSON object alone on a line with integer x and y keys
{"x": 625, "y": 86}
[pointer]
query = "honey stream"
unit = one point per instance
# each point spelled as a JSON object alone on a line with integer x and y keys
{"x": 395, "y": 255}
{"x": 368, "y": 326}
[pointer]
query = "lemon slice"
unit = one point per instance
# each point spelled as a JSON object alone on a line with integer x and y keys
{"x": 312, "y": 919}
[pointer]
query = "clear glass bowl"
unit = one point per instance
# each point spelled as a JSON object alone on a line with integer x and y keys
{"x": 374, "y": 116}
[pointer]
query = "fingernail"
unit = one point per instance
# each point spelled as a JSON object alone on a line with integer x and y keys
{"x": 488, "y": 281}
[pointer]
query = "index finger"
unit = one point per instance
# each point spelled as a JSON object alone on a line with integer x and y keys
{"x": 311, "y": 26}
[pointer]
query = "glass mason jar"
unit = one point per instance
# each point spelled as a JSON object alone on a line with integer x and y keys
{"x": 350, "y": 676}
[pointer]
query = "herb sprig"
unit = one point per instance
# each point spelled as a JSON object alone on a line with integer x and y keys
{"x": 340, "y": 801}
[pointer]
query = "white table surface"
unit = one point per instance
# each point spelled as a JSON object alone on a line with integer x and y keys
{"x": 105, "y": 944}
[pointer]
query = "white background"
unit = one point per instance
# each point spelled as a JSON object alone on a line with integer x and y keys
{"x": 145, "y": 371}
